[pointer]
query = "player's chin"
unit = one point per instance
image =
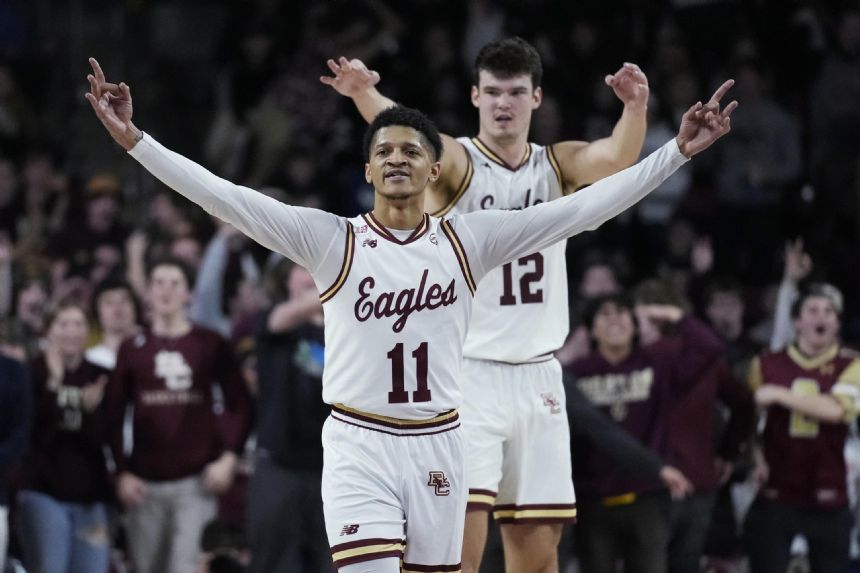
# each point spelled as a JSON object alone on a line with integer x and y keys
{"x": 400, "y": 190}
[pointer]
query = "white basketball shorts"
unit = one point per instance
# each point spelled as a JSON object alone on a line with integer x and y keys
{"x": 517, "y": 441}
{"x": 394, "y": 489}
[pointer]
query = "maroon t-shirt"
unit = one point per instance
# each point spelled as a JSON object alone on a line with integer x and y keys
{"x": 66, "y": 457}
{"x": 190, "y": 403}
{"x": 638, "y": 394}
{"x": 698, "y": 433}
{"x": 805, "y": 456}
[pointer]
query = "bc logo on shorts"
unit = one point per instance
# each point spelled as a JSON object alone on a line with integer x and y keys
{"x": 440, "y": 483}
{"x": 550, "y": 400}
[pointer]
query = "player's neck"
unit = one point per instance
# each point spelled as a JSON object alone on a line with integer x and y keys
{"x": 511, "y": 149}
{"x": 402, "y": 215}
{"x": 171, "y": 325}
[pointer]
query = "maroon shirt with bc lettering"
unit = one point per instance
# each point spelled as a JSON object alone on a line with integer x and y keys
{"x": 638, "y": 394}
{"x": 181, "y": 420}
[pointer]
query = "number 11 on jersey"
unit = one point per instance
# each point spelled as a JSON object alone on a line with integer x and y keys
{"x": 398, "y": 394}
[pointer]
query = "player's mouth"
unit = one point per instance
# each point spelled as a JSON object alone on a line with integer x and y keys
{"x": 396, "y": 175}
{"x": 504, "y": 119}
{"x": 820, "y": 330}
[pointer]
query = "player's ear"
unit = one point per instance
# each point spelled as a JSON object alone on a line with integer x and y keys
{"x": 475, "y": 95}
{"x": 537, "y": 97}
{"x": 367, "y": 174}
{"x": 435, "y": 170}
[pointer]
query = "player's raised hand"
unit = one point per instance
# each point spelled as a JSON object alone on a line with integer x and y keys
{"x": 703, "y": 124}
{"x": 112, "y": 104}
{"x": 351, "y": 77}
{"x": 630, "y": 85}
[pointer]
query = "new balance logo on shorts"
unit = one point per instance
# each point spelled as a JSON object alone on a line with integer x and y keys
{"x": 550, "y": 400}
{"x": 440, "y": 483}
{"x": 349, "y": 529}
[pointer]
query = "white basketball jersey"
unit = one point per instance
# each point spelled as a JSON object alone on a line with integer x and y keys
{"x": 521, "y": 310}
{"x": 392, "y": 296}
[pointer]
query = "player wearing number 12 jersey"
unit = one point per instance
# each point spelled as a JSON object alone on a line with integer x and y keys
{"x": 397, "y": 289}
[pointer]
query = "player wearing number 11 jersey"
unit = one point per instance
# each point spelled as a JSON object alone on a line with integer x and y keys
{"x": 397, "y": 288}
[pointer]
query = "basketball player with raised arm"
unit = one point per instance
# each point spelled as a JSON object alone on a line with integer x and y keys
{"x": 397, "y": 287}
{"x": 513, "y": 416}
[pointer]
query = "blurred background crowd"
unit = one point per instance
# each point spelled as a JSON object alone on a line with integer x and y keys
{"x": 235, "y": 85}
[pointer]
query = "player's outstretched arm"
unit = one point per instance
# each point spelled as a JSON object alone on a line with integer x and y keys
{"x": 303, "y": 235}
{"x": 582, "y": 162}
{"x": 353, "y": 79}
{"x": 504, "y": 236}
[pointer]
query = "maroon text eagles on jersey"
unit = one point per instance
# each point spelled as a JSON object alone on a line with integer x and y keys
{"x": 806, "y": 457}
{"x": 404, "y": 303}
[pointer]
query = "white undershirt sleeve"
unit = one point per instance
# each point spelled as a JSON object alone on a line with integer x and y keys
{"x": 492, "y": 237}
{"x": 307, "y": 236}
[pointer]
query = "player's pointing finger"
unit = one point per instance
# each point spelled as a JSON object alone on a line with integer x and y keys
{"x": 721, "y": 91}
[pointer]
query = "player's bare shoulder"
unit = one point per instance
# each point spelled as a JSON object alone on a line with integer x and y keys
{"x": 456, "y": 170}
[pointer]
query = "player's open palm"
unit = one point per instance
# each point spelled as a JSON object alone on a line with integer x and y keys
{"x": 351, "y": 77}
{"x": 630, "y": 85}
{"x": 703, "y": 124}
{"x": 112, "y": 105}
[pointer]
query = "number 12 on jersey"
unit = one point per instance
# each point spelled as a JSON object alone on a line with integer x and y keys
{"x": 527, "y": 295}
{"x": 398, "y": 394}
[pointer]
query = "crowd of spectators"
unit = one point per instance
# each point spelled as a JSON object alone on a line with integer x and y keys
{"x": 236, "y": 86}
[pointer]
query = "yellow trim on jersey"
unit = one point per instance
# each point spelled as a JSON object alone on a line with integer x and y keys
{"x": 754, "y": 380}
{"x": 401, "y": 421}
{"x": 460, "y": 254}
{"x": 617, "y": 500}
{"x": 535, "y": 513}
{"x": 367, "y": 550}
{"x": 812, "y": 363}
{"x": 553, "y": 162}
{"x": 380, "y": 230}
{"x": 847, "y": 391}
{"x": 344, "y": 269}
{"x": 482, "y": 498}
{"x": 464, "y": 184}
{"x": 496, "y": 159}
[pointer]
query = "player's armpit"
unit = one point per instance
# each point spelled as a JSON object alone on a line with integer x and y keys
{"x": 571, "y": 162}
{"x": 456, "y": 176}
